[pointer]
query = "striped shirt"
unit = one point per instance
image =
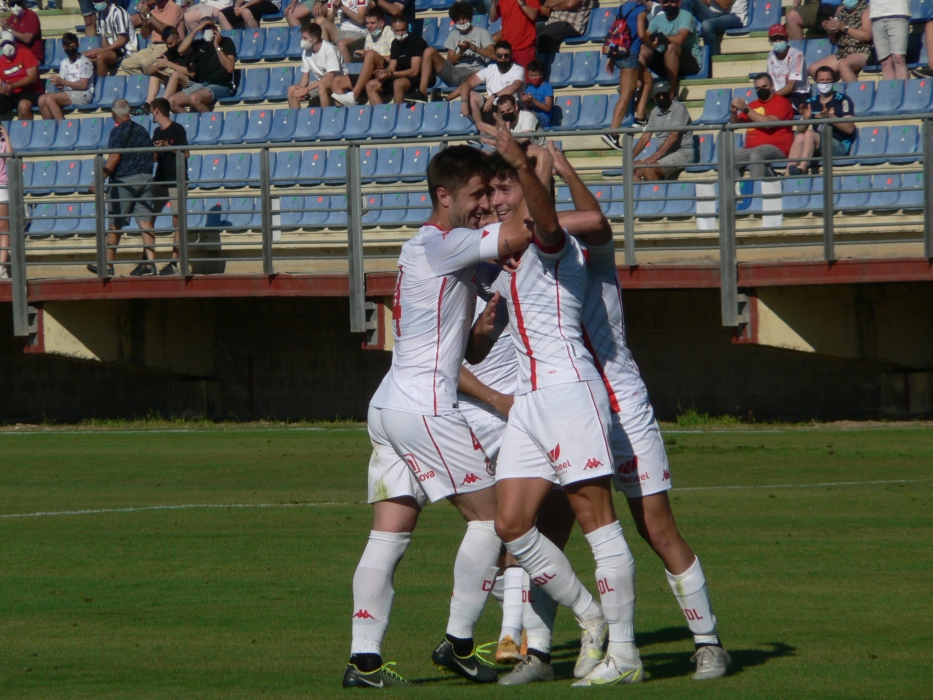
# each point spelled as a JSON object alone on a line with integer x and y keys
{"x": 579, "y": 19}
{"x": 114, "y": 23}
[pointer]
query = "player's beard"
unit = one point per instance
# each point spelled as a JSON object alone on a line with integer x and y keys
{"x": 466, "y": 218}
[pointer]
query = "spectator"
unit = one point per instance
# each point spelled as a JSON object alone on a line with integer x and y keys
{"x": 631, "y": 70}
{"x": 827, "y": 104}
{"x": 210, "y": 69}
{"x": 247, "y": 13}
{"x": 5, "y": 147}
{"x": 207, "y": 9}
{"x": 890, "y": 25}
{"x": 519, "y": 121}
{"x": 677, "y": 151}
{"x": 130, "y": 192}
{"x": 808, "y": 14}
{"x": 21, "y": 86}
{"x": 762, "y": 143}
{"x": 404, "y": 66}
{"x": 716, "y": 16}
{"x": 341, "y": 21}
{"x": 850, "y": 31}
{"x": 787, "y": 67}
{"x": 538, "y": 97}
{"x": 117, "y": 36}
{"x": 75, "y": 82}
{"x": 469, "y": 48}
{"x": 155, "y": 16}
{"x": 374, "y": 54}
{"x": 89, "y": 15}
{"x": 927, "y": 41}
{"x": 23, "y": 23}
{"x": 518, "y": 26}
{"x": 168, "y": 133}
{"x": 566, "y": 19}
{"x": 671, "y": 47}
{"x": 169, "y": 65}
{"x": 321, "y": 61}
{"x": 405, "y": 8}
{"x": 502, "y": 78}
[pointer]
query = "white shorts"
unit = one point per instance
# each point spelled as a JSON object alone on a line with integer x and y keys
{"x": 638, "y": 455}
{"x": 559, "y": 433}
{"x": 80, "y": 97}
{"x": 488, "y": 429}
{"x": 432, "y": 457}
{"x": 4, "y": 195}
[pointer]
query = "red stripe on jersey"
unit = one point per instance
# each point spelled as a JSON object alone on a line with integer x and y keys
{"x": 613, "y": 400}
{"x": 560, "y": 326}
{"x": 520, "y": 324}
{"x": 551, "y": 249}
{"x": 446, "y": 468}
{"x": 437, "y": 349}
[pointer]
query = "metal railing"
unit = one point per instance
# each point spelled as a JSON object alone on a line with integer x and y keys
{"x": 701, "y": 213}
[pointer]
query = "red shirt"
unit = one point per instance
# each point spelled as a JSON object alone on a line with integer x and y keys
{"x": 13, "y": 69}
{"x": 517, "y": 29}
{"x": 781, "y": 136}
{"x": 28, "y": 23}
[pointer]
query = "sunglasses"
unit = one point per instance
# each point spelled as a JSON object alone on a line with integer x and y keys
{"x": 504, "y": 56}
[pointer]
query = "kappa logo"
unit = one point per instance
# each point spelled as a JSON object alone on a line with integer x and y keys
{"x": 666, "y": 476}
{"x": 470, "y": 479}
{"x": 412, "y": 463}
{"x": 629, "y": 467}
{"x": 554, "y": 454}
{"x": 364, "y": 615}
{"x": 592, "y": 463}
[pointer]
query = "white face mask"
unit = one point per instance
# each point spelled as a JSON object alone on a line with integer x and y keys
{"x": 462, "y": 27}
{"x": 824, "y": 88}
{"x": 208, "y": 35}
{"x": 16, "y": 10}
{"x": 306, "y": 45}
{"x": 9, "y": 50}
{"x": 402, "y": 37}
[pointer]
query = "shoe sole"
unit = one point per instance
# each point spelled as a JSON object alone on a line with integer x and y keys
{"x": 632, "y": 677}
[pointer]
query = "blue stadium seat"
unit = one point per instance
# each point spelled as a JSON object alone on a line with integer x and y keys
{"x": 86, "y": 224}
{"x": 245, "y": 213}
{"x": 52, "y": 55}
{"x": 194, "y": 170}
{"x": 43, "y": 177}
{"x": 258, "y": 127}
{"x": 108, "y": 89}
{"x": 921, "y": 10}
{"x": 240, "y": 170}
{"x": 585, "y": 37}
{"x": 372, "y": 209}
{"x": 601, "y": 19}
{"x": 308, "y": 124}
{"x": 236, "y": 36}
{"x": 286, "y": 166}
{"x": 20, "y": 134}
{"x": 43, "y": 134}
{"x": 369, "y": 156}
{"x": 682, "y": 200}
{"x": 596, "y": 110}
{"x": 41, "y": 219}
{"x": 318, "y": 206}
{"x": 444, "y": 27}
{"x": 918, "y": 96}
{"x": 419, "y": 209}
{"x": 66, "y": 136}
{"x": 705, "y": 146}
{"x": 871, "y": 145}
{"x": 746, "y": 93}
{"x": 604, "y": 78}
{"x": 276, "y": 44}
{"x": 854, "y": 192}
{"x": 215, "y": 212}
{"x": 912, "y": 196}
{"x": 28, "y": 167}
{"x": 904, "y": 139}
{"x": 383, "y": 120}
{"x": 284, "y": 122}
{"x": 415, "y": 163}
{"x": 86, "y": 43}
{"x": 457, "y": 123}
{"x": 145, "y": 121}
{"x": 495, "y": 26}
{"x": 210, "y": 127}
{"x": 290, "y": 211}
{"x": 649, "y": 202}
{"x": 74, "y": 175}
{"x": 889, "y": 96}
{"x": 335, "y": 173}
{"x": 359, "y": 119}
{"x": 255, "y": 85}
{"x": 389, "y": 217}
{"x": 190, "y": 121}
{"x": 885, "y": 192}
{"x": 235, "y": 126}
{"x": 337, "y": 216}
{"x": 562, "y": 199}
{"x": 409, "y": 120}
{"x": 429, "y": 29}
{"x": 585, "y": 66}
{"x": 252, "y": 43}
{"x": 389, "y": 162}
{"x": 434, "y": 121}
{"x": 706, "y": 60}
{"x": 716, "y": 106}
{"x": 333, "y": 120}
{"x": 569, "y": 111}
{"x": 481, "y": 21}
{"x": 797, "y": 195}
{"x": 294, "y": 43}
{"x": 92, "y": 132}
{"x": 213, "y": 171}
{"x": 761, "y": 15}
{"x": 313, "y": 164}
{"x": 610, "y": 200}
{"x": 280, "y": 79}
{"x": 818, "y": 49}
{"x": 66, "y": 221}
{"x": 862, "y": 94}
{"x": 137, "y": 89}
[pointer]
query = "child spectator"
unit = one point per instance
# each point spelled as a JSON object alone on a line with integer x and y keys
{"x": 538, "y": 97}
{"x": 75, "y": 81}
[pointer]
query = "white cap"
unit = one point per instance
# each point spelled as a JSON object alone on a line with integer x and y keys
{"x": 6, "y": 37}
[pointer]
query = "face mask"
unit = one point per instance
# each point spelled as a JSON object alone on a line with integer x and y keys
{"x": 535, "y": 82}
{"x": 402, "y": 37}
{"x": 763, "y": 93}
{"x": 208, "y": 35}
{"x": 662, "y": 101}
{"x": 464, "y": 27}
{"x": 375, "y": 33}
{"x": 9, "y": 50}
{"x": 779, "y": 47}
{"x": 510, "y": 117}
{"x": 171, "y": 54}
{"x": 850, "y": 4}
{"x": 71, "y": 53}
{"x": 100, "y": 6}
{"x": 503, "y": 66}
{"x": 671, "y": 11}
{"x": 16, "y": 10}
{"x": 306, "y": 45}
{"x": 824, "y": 88}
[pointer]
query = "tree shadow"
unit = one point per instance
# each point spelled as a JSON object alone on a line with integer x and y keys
{"x": 675, "y": 664}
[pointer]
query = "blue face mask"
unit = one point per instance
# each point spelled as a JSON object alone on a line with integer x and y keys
{"x": 100, "y": 6}
{"x": 850, "y": 3}
{"x": 779, "y": 47}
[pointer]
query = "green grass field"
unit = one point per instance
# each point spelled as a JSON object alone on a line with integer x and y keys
{"x": 822, "y": 581}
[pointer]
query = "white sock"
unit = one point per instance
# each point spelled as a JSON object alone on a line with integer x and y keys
{"x": 372, "y": 589}
{"x": 690, "y": 590}
{"x": 512, "y": 587}
{"x": 498, "y": 590}
{"x": 538, "y": 619}
{"x": 615, "y": 578}
{"x": 550, "y": 569}
{"x": 474, "y": 574}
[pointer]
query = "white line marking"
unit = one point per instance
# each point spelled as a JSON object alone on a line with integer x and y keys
{"x": 794, "y": 486}
{"x": 162, "y": 431}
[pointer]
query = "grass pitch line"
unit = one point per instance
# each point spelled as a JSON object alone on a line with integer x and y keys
{"x": 808, "y": 486}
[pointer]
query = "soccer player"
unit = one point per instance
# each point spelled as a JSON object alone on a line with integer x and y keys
{"x": 423, "y": 449}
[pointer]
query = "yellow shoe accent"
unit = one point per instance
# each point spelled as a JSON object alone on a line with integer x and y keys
{"x": 507, "y": 652}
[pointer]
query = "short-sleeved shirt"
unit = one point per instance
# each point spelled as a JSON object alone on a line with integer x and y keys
{"x": 677, "y": 115}
{"x": 517, "y": 28}
{"x": 114, "y": 23}
{"x": 382, "y": 44}
{"x": 174, "y": 135}
{"x": 171, "y": 16}
{"x": 476, "y": 35}
{"x": 540, "y": 93}
{"x": 326, "y": 60}
{"x": 207, "y": 65}
{"x": 792, "y": 67}
{"x": 780, "y": 136}
{"x": 28, "y": 23}
{"x": 79, "y": 69}
{"x": 13, "y": 69}
{"x": 404, "y": 51}
{"x": 129, "y": 134}
{"x": 842, "y": 106}
{"x": 683, "y": 20}
{"x": 630, "y": 12}
{"x": 579, "y": 19}
{"x": 343, "y": 21}
{"x": 496, "y": 80}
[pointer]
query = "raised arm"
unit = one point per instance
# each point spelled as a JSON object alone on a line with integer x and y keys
{"x": 588, "y": 221}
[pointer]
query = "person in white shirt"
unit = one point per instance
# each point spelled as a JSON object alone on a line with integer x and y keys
{"x": 117, "y": 36}
{"x": 205, "y": 9}
{"x": 787, "y": 67}
{"x": 504, "y": 77}
{"x": 890, "y": 25}
{"x": 715, "y": 17}
{"x": 323, "y": 72}
{"x": 75, "y": 80}
{"x": 519, "y": 121}
{"x": 344, "y": 24}
{"x": 374, "y": 54}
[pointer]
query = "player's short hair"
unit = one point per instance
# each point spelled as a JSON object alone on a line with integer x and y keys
{"x": 313, "y": 30}
{"x": 535, "y": 66}
{"x": 506, "y": 99}
{"x": 498, "y": 167}
{"x": 399, "y": 19}
{"x": 120, "y": 107}
{"x": 764, "y": 76}
{"x": 375, "y": 11}
{"x": 825, "y": 69}
{"x": 460, "y": 10}
{"x": 69, "y": 38}
{"x": 160, "y": 104}
{"x": 503, "y": 44}
{"x": 453, "y": 167}
{"x": 169, "y": 31}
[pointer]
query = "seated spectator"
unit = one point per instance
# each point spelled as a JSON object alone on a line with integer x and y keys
{"x": 322, "y": 70}
{"x": 469, "y": 48}
{"x": 210, "y": 69}
{"x": 520, "y": 121}
{"x": 518, "y": 26}
{"x": 375, "y": 54}
{"x": 676, "y": 152}
{"x": 247, "y": 13}
{"x": 827, "y": 104}
{"x": 168, "y": 133}
{"x": 850, "y": 31}
{"x": 787, "y": 67}
{"x": 671, "y": 47}
{"x": 155, "y": 17}
{"x": 808, "y": 14}
{"x": 88, "y": 14}
{"x": 632, "y": 70}
{"x": 404, "y": 66}
{"x": 207, "y": 9}
{"x": 169, "y": 65}
{"x": 566, "y": 19}
{"x": 538, "y": 97}
{"x": 21, "y": 86}
{"x": 890, "y": 25}
{"x": 130, "y": 192}
{"x": 23, "y": 23}
{"x": 927, "y": 41}
{"x": 75, "y": 81}
{"x": 762, "y": 143}
{"x": 715, "y": 17}
{"x": 391, "y": 8}
{"x": 341, "y": 22}
{"x": 501, "y": 78}
{"x": 117, "y": 36}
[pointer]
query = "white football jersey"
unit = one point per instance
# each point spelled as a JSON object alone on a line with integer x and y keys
{"x": 546, "y": 308}
{"x": 432, "y": 313}
{"x": 604, "y": 330}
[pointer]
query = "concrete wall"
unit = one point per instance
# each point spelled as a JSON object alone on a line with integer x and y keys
{"x": 295, "y": 358}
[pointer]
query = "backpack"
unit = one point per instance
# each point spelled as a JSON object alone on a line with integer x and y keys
{"x": 618, "y": 41}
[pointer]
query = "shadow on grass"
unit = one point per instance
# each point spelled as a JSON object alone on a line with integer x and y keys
{"x": 675, "y": 664}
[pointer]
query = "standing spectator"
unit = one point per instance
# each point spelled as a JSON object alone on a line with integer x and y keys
{"x": 518, "y": 26}
{"x": 155, "y": 17}
{"x": 716, "y": 16}
{"x": 404, "y": 66}
{"x": 519, "y": 121}
{"x": 322, "y": 63}
{"x": 672, "y": 48}
{"x": 827, "y": 104}
{"x": 21, "y": 86}
{"x": 787, "y": 67}
{"x": 469, "y": 48}
{"x": 850, "y": 31}
{"x": 210, "y": 69}
{"x": 341, "y": 22}
{"x": 502, "y": 78}
{"x": 130, "y": 192}
{"x": 677, "y": 151}
{"x": 807, "y": 14}
{"x": 631, "y": 70}
{"x": 89, "y": 15}
{"x": 247, "y": 13}
{"x": 75, "y": 82}
{"x": 538, "y": 97}
{"x": 890, "y": 25}
{"x": 762, "y": 143}
{"x": 4, "y": 205}
{"x": 927, "y": 41}
{"x": 168, "y": 133}
{"x": 207, "y": 9}
{"x": 171, "y": 65}
{"x": 375, "y": 55}
{"x": 566, "y": 19}
{"x": 23, "y": 23}
{"x": 117, "y": 36}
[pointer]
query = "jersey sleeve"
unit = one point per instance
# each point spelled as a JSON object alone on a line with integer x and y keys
{"x": 556, "y": 252}
{"x": 451, "y": 251}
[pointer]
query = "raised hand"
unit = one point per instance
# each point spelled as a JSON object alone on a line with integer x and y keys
{"x": 499, "y": 137}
